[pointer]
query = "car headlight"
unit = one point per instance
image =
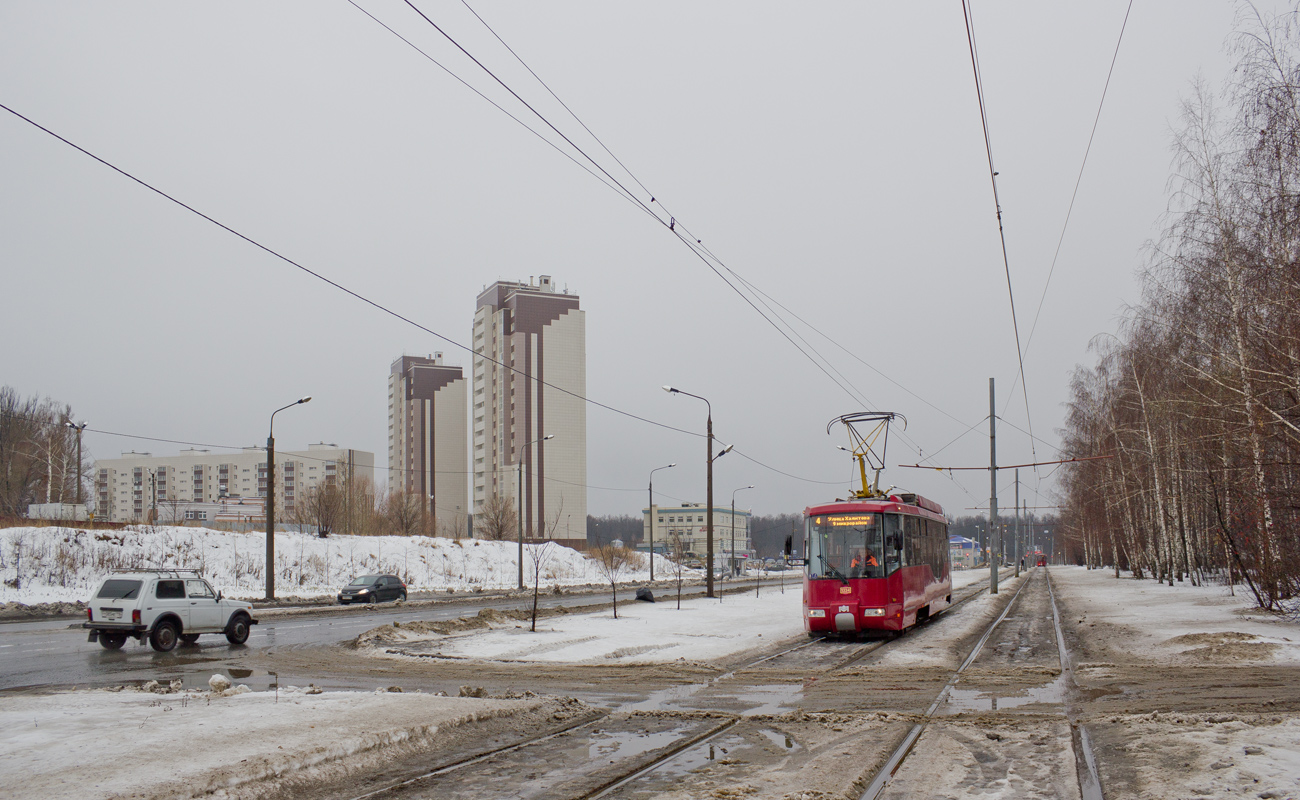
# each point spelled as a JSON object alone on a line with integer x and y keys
{"x": 364, "y": 591}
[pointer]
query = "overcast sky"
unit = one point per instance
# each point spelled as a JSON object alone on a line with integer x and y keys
{"x": 829, "y": 153}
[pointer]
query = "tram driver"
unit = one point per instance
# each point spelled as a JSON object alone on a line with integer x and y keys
{"x": 862, "y": 563}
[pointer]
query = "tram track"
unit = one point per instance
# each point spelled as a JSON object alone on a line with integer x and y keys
{"x": 695, "y": 731}
{"x": 1089, "y": 781}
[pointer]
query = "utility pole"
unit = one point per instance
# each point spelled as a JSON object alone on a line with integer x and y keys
{"x": 1016, "y": 550}
{"x": 79, "y": 429}
{"x": 995, "y": 539}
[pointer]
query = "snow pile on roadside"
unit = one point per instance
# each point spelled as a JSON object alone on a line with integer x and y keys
{"x": 1214, "y": 757}
{"x": 64, "y": 564}
{"x": 703, "y": 630}
{"x": 101, "y": 743}
{"x": 1183, "y": 623}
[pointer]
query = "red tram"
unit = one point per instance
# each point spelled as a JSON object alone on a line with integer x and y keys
{"x": 878, "y": 563}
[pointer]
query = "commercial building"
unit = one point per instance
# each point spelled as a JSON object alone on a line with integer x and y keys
{"x": 427, "y": 441}
{"x": 141, "y": 486}
{"x": 687, "y": 524}
{"x": 530, "y": 375}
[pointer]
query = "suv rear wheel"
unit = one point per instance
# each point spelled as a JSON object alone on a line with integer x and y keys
{"x": 237, "y": 631}
{"x": 164, "y": 636}
{"x": 112, "y": 641}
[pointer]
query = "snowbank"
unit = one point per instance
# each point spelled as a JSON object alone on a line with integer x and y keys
{"x": 702, "y": 630}
{"x": 62, "y": 564}
{"x": 101, "y": 743}
{"x": 1197, "y": 624}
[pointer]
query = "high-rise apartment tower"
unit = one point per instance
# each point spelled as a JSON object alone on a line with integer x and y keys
{"x": 530, "y": 347}
{"x": 427, "y": 442}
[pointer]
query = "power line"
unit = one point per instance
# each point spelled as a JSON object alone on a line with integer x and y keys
{"x": 527, "y": 105}
{"x": 993, "y": 179}
{"x": 751, "y": 286}
{"x": 341, "y": 287}
{"x": 1079, "y": 180}
{"x": 693, "y": 243}
{"x": 616, "y": 189}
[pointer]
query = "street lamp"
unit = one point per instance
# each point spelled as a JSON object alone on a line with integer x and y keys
{"x": 78, "y": 429}
{"x": 270, "y": 499}
{"x": 652, "y": 517}
{"x": 520, "y": 514}
{"x": 708, "y": 513}
{"x": 733, "y": 524}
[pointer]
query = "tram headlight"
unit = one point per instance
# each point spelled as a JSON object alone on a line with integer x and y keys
{"x": 816, "y": 612}
{"x": 873, "y": 612}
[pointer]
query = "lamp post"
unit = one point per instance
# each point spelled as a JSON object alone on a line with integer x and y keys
{"x": 520, "y": 515}
{"x": 652, "y": 517}
{"x": 270, "y": 499}
{"x": 733, "y": 524}
{"x": 78, "y": 429}
{"x": 708, "y": 513}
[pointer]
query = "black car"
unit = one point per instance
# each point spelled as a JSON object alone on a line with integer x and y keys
{"x": 373, "y": 589}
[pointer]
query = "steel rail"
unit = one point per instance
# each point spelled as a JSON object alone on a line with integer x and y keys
{"x": 1084, "y": 762}
{"x": 730, "y": 721}
{"x": 886, "y": 773}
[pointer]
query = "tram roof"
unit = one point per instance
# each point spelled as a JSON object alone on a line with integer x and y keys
{"x": 899, "y": 503}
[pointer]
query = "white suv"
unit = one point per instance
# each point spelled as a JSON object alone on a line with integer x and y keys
{"x": 168, "y": 606}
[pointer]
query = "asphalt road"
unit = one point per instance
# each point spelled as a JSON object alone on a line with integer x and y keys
{"x": 55, "y": 654}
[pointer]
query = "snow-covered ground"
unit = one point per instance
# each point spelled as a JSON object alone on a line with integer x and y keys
{"x": 702, "y": 630}
{"x": 64, "y": 565}
{"x": 1229, "y": 753}
{"x": 644, "y": 633}
{"x": 104, "y": 743}
{"x": 1183, "y": 623}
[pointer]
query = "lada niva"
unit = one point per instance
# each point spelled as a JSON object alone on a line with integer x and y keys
{"x": 166, "y": 607}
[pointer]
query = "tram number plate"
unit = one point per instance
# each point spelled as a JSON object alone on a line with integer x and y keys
{"x": 846, "y": 590}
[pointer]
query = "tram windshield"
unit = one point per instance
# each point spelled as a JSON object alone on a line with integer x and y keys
{"x": 843, "y": 546}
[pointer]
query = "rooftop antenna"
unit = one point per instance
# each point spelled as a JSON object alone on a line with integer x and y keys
{"x": 864, "y": 446}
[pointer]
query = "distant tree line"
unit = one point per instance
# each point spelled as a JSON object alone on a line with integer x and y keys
{"x": 38, "y": 453}
{"x": 1197, "y": 401}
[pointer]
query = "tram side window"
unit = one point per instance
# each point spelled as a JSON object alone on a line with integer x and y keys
{"x": 915, "y": 537}
{"x": 936, "y": 554}
{"x": 893, "y": 542}
{"x": 943, "y": 549}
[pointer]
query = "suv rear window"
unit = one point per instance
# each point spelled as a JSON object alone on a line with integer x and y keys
{"x": 170, "y": 590}
{"x": 117, "y": 589}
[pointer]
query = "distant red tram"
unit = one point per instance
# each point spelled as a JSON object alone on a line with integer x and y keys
{"x": 880, "y": 563}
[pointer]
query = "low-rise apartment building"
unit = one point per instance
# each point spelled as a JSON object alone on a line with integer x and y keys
{"x": 141, "y": 486}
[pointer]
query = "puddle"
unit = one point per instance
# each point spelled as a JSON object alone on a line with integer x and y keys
{"x": 612, "y": 746}
{"x": 662, "y": 699}
{"x": 701, "y": 755}
{"x": 772, "y": 699}
{"x": 962, "y": 700}
{"x": 782, "y": 740}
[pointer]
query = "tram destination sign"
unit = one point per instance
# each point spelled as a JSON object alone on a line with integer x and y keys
{"x": 850, "y": 520}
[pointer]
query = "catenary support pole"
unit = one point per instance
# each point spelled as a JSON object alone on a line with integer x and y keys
{"x": 995, "y": 540}
{"x": 1016, "y": 553}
